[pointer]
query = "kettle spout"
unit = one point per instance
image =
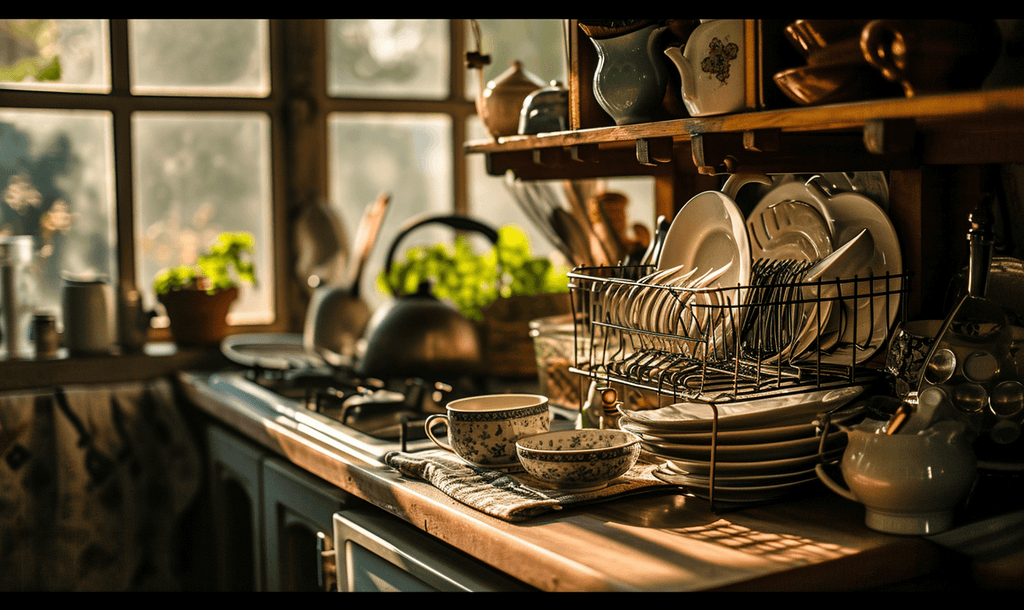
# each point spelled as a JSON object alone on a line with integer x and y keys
{"x": 689, "y": 87}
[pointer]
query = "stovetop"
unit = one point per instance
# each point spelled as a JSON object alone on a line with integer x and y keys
{"x": 367, "y": 416}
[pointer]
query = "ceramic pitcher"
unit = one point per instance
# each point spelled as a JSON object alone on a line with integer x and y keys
{"x": 631, "y": 75}
{"x": 908, "y": 483}
{"x": 711, "y": 67}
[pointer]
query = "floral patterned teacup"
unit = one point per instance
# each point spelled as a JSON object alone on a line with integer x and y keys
{"x": 483, "y": 430}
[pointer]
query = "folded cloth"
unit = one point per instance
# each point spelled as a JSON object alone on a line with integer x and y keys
{"x": 510, "y": 495}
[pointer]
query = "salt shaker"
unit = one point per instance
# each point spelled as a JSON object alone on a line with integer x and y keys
{"x": 44, "y": 329}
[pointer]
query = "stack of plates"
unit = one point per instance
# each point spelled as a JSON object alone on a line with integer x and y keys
{"x": 765, "y": 448}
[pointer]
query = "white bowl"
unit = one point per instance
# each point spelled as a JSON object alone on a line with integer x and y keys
{"x": 580, "y": 460}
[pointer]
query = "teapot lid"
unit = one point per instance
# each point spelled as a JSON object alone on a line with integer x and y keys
{"x": 516, "y": 77}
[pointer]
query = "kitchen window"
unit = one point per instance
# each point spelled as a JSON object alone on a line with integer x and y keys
{"x": 126, "y": 145}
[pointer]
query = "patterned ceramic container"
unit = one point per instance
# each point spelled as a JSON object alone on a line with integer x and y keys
{"x": 483, "y": 430}
{"x": 579, "y": 459}
{"x": 908, "y": 350}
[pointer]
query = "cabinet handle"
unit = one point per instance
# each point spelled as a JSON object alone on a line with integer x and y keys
{"x": 326, "y": 572}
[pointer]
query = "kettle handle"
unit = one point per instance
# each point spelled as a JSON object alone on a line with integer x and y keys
{"x": 455, "y": 221}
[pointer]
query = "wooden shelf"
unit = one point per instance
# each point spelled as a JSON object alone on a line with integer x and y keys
{"x": 960, "y": 128}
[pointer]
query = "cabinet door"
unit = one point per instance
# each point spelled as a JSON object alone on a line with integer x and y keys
{"x": 297, "y": 510}
{"x": 236, "y": 493}
{"x": 379, "y": 552}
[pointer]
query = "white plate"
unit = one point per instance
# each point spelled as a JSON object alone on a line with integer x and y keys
{"x": 753, "y": 480}
{"x": 807, "y": 192}
{"x": 745, "y": 453}
{"x": 707, "y": 233}
{"x": 735, "y": 494}
{"x": 781, "y": 410}
{"x": 758, "y": 468}
{"x": 852, "y": 213}
{"x": 788, "y": 230}
{"x": 752, "y": 436}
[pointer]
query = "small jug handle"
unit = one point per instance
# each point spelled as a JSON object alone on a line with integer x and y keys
{"x": 429, "y": 423}
{"x": 819, "y": 469}
{"x": 735, "y": 182}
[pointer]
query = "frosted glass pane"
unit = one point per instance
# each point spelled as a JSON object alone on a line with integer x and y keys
{"x": 56, "y": 170}
{"x": 196, "y": 175}
{"x": 407, "y": 155}
{"x": 538, "y": 43}
{"x": 55, "y": 55}
{"x": 227, "y": 57}
{"x": 388, "y": 58}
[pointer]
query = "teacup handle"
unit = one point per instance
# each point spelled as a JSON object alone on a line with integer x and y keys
{"x": 881, "y": 43}
{"x": 819, "y": 469}
{"x": 430, "y": 422}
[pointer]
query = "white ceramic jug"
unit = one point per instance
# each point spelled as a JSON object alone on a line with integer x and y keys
{"x": 908, "y": 483}
{"x": 88, "y": 304}
{"x": 711, "y": 67}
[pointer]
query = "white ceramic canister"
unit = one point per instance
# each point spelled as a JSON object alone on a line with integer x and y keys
{"x": 88, "y": 303}
{"x": 17, "y": 288}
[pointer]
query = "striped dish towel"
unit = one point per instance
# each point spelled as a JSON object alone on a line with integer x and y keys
{"x": 510, "y": 495}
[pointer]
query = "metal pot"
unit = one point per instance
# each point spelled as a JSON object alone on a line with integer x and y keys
{"x": 418, "y": 335}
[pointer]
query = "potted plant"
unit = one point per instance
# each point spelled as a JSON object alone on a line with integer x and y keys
{"x": 197, "y": 296}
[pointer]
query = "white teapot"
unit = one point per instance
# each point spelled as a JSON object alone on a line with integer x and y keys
{"x": 908, "y": 483}
{"x": 712, "y": 67}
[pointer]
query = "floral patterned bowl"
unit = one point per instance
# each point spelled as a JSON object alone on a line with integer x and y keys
{"x": 580, "y": 460}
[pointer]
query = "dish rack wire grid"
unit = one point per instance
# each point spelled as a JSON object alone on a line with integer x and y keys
{"x": 771, "y": 338}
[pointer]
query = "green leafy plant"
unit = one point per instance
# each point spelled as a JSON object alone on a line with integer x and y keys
{"x": 472, "y": 280}
{"x": 225, "y": 264}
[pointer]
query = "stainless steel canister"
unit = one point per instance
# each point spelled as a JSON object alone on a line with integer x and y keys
{"x": 17, "y": 291}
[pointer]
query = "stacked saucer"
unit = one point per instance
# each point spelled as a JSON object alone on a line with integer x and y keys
{"x": 764, "y": 448}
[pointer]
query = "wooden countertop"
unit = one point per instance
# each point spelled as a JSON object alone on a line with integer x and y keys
{"x": 661, "y": 541}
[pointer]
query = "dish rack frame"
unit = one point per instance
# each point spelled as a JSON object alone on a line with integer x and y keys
{"x": 769, "y": 339}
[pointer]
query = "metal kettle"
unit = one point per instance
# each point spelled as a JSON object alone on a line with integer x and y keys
{"x": 418, "y": 335}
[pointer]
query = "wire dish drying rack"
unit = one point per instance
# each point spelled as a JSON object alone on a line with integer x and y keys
{"x": 775, "y": 338}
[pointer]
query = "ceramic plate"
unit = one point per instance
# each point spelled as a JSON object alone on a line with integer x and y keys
{"x": 874, "y": 316}
{"x": 669, "y": 468}
{"x": 808, "y": 192}
{"x": 745, "y": 453}
{"x": 751, "y": 436}
{"x": 735, "y": 494}
{"x": 788, "y": 230}
{"x": 706, "y": 234}
{"x": 781, "y": 410}
{"x": 758, "y": 468}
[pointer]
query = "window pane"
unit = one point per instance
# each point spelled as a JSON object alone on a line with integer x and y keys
{"x": 56, "y": 169}
{"x": 193, "y": 182}
{"x": 538, "y": 43}
{"x": 55, "y": 55}
{"x": 227, "y": 57}
{"x": 388, "y": 58}
{"x": 406, "y": 155}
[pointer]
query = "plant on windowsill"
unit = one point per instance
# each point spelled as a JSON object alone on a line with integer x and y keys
{"x": 198, "y": 296}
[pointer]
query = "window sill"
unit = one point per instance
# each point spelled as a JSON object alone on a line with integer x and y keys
{"x": 157, "y": 359}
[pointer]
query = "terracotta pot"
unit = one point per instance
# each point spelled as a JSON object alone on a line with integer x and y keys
{"x": 198, "y": 318}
